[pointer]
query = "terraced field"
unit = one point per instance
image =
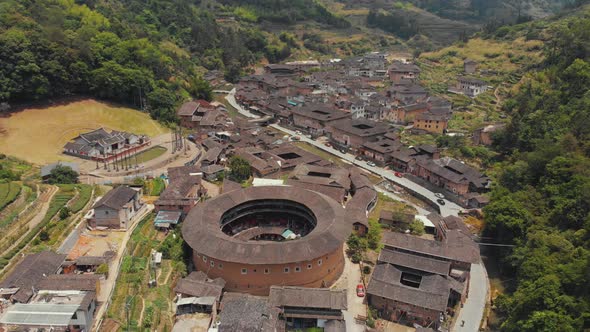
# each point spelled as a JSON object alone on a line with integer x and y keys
{"x": 150, "y": 308}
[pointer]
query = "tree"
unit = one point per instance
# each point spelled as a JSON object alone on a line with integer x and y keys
{"x": 64, "y": 213}
{"x": 374, "y": 235}
{"x": 62, "y": 174}
{"x": 200, "y": 89}
{"x": 43, "y": 235}
{"x": 239, "y": 169}
{"x": 103, "y": 269}
{"x": 416, "y": 227}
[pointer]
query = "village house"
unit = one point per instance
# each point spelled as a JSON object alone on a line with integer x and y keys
{"x": 354, "y": 133}
{"x": 407, "y": 113}
{"x": 330, "y": 181}
{"x": 314, "y": 118}
{"x": 279, "y": 160}
{"x": 116, "y": 208}
{"x": 247, "y": 313}
{"x": 469, "y": 66}
{"x": 418, "y": 280}
{"x": 20, "y": 284}
{"x": 201, "y": 114}
{"x": 101, "y": 145}
{"x": 432, "y": 123}
{"x": 197, "y": 293}
{"x": 472, "y": 87}
{"x": 303, "y": 308}
{"x": 184, "y": 190}
{"x": 407, "y": 93}
{"x": 380, "y": 151}
{"x": 451, "y": 174}
{"x": 49, "y": 310}
{"x": 399, "y": 71}
{"x": 484, "y": 136}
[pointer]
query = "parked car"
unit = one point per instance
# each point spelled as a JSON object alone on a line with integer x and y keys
{"x": 398, "y": 174}
{"x": 370, "y": 163}
{"x": 343, "y": 151}
{"x": 295, "y": 138}
{"x": 440, "y": 201}
{"x": 439, "y": 195}
{"x": 360, "y": 290}
{"x": 328, "y": 144}
{"x": 358, "y": 158}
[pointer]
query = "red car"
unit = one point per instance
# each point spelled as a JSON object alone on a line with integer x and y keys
{"x": 360, "y": 290}
{"x": 398, "y": 174}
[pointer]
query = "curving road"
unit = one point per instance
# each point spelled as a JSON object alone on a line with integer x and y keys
{"x": 473, "y": 309}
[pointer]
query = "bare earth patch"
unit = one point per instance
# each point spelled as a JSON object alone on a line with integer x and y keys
{"x": 37, "y": 135}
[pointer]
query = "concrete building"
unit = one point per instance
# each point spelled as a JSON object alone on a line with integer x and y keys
{"x": 472, "y": 87}
{"x": 116, "y": 208}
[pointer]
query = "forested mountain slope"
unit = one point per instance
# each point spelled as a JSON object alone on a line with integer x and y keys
{"x": 144, "y": 53}
{"x": 542, "y": 201}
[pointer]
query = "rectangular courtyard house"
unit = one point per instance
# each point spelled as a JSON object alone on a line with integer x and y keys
{"x": 419, "y": 281}
{"x": 331, "y": 181}
{"x": 116, "y": 209}
{"x": 102, "y": 145}
{"x": 354, "y": 133}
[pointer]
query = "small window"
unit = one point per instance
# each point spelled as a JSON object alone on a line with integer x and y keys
{"x": 309, "y": 266}
{"x": 286, "y": 270}
{"x": 266, "y": 271}
{"x": 254, "y": 270}
{"x": 319, "y": 262}
{"x": 297, "y": 269}
{"x": 106, "y": 212}
{"x": 212, "y": 263}
{"x": 220, "y": 266}
{"x": 205, "y": 259}
{"x": 244, "y": 271}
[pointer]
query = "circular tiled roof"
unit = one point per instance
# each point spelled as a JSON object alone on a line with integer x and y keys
{"x": 201, "y": 228}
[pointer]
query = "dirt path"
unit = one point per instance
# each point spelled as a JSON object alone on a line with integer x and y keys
{"x": 44, "y": 200}
{"x": 167, "y": 276}
{"x": 140, "y": 319}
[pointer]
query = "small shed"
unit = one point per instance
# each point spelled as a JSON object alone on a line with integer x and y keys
{"x": 166, "y": 219}
{"x": 191, "y": 305}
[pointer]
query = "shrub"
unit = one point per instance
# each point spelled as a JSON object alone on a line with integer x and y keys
{"x": 103, "y": 269}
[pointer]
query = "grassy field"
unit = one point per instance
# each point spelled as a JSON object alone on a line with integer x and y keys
{"x": 37, "y": 135}
{"x": 154, "y": 187}
{"x": 147, "y": 155}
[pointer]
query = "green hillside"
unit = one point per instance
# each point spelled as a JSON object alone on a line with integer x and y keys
{"x": 541, "y": 202}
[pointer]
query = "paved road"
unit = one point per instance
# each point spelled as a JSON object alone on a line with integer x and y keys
{"x": 473, "y": 308}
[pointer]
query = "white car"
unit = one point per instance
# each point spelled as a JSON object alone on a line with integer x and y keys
{"x": 439, "y": 195}
{"x": 372, "y": 164}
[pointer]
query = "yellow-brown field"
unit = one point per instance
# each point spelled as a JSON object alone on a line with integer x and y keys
{"x": 37, "y": 135}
